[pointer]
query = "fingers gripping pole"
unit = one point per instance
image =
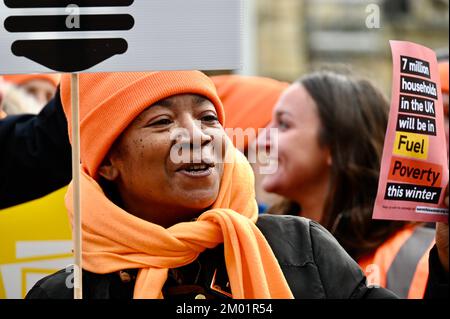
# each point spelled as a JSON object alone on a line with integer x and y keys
{"x": 76, "y": 187}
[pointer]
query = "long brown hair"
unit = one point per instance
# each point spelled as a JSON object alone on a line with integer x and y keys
{"x": 354, "y": 115}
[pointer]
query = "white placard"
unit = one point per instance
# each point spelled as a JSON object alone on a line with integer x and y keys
{"x": 164, "y": 35}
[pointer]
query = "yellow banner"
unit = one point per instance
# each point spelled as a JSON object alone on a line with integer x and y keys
{"x": 411, "y": 145}
{"x": 35, "y": 241}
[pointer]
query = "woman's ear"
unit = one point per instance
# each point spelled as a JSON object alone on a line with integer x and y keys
{"x": 107, "y": 170}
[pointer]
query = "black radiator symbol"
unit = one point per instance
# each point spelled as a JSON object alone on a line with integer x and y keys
{"x": 68, "y": 55}
{"x": 65, "y": 3}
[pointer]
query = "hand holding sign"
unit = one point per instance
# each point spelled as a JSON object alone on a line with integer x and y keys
{"x": 442, "y": 239}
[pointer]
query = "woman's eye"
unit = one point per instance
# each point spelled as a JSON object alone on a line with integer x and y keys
{"x": 210, "y": 118}
{"x": 283, "y": 125}
{"x": 161, "y": 122}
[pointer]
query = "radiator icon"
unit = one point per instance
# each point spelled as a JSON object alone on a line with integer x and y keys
{"x": 74, "y": 54}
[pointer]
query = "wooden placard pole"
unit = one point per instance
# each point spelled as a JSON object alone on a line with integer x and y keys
{"x": 78, "y": 283}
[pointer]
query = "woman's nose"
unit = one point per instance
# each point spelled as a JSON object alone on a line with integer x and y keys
{"x": 199, "y": 133}
{"x": 194, "y": 134}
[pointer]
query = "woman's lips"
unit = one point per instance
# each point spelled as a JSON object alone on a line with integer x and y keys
{"x": 196, "y": 173}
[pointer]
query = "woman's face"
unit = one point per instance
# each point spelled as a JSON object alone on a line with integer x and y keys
{"x": 43, "y": 91}
{"x": 303, "y": 164}
{"x": 144, "y": 163}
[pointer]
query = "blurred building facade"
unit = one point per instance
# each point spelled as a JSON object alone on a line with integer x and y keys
{"x": 291, "y": 37}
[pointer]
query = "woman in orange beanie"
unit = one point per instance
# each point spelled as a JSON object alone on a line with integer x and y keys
{"x": 168, "y": 207}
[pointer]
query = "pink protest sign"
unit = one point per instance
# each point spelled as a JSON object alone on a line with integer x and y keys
{"x": 414, "y": 167}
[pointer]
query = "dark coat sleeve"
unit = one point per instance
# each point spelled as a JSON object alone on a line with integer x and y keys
{"x": 56, "y": 286}
{"x": 95, "y": 286}
{"x": 35, "y": 154}
{"x": 341, "y": 276}
{"x": 437, "y": 287}
{"x": 314, "y": 264}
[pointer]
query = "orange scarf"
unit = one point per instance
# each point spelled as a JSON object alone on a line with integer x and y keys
{"x": 114, "y": 240}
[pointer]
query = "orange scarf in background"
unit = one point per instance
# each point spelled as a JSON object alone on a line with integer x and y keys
{"x": 114, "y": 240}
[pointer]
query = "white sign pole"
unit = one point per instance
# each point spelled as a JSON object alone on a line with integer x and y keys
{"x": 78, "y": 273}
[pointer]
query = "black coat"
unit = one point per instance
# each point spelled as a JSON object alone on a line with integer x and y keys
{"x": 313, "y": 262}
{"x": 35, "y": 154}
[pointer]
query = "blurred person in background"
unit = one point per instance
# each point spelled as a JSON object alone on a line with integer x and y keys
{"x": 28, "y": 93}
{"x": 330, "y": 142}
{"x": 248, "y": 102}
{"x": 35, "y": 154}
